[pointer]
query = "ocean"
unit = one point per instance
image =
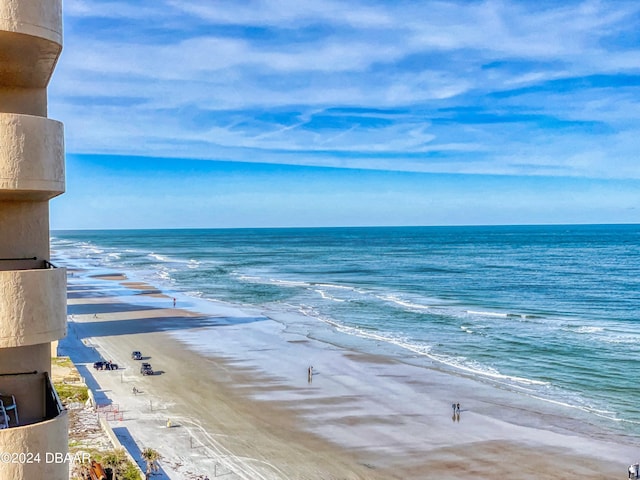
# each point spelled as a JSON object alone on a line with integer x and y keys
{"x": 548, "y": 312}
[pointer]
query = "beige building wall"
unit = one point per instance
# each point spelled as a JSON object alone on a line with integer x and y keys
{"x": 32, "y": 291}
{"x": 32, "y": 160}
{"x": 41, "y": 438}
{"x": 33, "y": 307}
{"x": 27, "y": 228}
{"x": 29, "y": 101}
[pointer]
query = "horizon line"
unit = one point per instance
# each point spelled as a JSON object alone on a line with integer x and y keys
{"x": 515, "y": 225}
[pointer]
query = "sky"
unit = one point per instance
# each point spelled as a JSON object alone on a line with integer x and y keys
{"x": 281, "y": 113}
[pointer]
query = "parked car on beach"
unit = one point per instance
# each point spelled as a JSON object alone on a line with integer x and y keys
{"x": 102, "y": 365}
{"x": 145, "y": 369}
{"x": 136, "y": 355}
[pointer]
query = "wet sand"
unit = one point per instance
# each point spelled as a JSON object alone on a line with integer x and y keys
{"x": 235, "y": 390}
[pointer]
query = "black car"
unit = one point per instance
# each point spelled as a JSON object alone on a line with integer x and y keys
{"x": 136, "y": 355}
{"x": 102, "y": 365}
{"x": 145, "y": 369}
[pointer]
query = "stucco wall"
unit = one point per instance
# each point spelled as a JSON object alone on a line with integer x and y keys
{"x": 46, "y": 439}
{"x": 24, "y": 228}
{"x": 32, "y": 306}
{"x": 40, "y": 18}
{"x": 31, "y": 155}
{"x": 29, "y": 101}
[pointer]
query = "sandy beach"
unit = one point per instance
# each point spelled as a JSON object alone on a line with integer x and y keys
{"x": 231, "y": 397}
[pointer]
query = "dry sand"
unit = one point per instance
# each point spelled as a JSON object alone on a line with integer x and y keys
{"x": 235, "y": 392}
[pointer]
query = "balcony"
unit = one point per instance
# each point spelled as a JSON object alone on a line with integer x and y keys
{"x": 42, "y": 430}
{"x": 32, "y": 303}
{"x": 31, "y": 157}
{"x": 36, "y": 399}
{"x": 30, "y": 41}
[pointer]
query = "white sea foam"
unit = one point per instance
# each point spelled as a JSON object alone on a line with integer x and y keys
{"x": 328, "y": 291}
{"x": 589, "y": 330}
{"x": 481, "y": 370}
{"x": 323, "y": 289}
{"x": 60, "y": 242}
{"x": 338, "y": 287}
{"x": 88, "y": 249}
{"x": 458, "y": 363}
{"x": 403, "y": 303}
{"x": 288, "y": 283}
{"x": 246, "y": 278}
{"x": 578, "y": 404}
{"x": 165, "y": 275}
{"x": 328, "y": 296}
{"x": 487, "y": 314}
{"x": 158, "y": 257}
{"x": 269, "y": 281}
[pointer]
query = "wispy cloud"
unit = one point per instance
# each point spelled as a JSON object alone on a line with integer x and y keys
{"x": 494, "y": 86}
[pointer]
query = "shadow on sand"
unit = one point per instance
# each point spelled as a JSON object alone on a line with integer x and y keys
{"x": 84, "y": 355}
{"x": 127, "y": 441}
{"x": 144, "y": 325}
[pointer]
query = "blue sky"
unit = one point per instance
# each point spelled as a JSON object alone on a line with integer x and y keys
{"x": 194, "y": 113}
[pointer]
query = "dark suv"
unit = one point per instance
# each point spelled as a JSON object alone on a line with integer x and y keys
{"x": 136, "y": 355}
{"x": 145, "y": 369}
{"x": 105, "y": 365}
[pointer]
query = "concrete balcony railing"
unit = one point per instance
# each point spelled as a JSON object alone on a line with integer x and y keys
{"x": 32, "y": 302}
{"x": 31, "y": 157}
{"x": 45, "y": 434}
{"x": 30, "y": 41}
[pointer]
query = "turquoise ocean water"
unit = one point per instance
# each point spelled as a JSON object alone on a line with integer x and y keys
{"x": 551, "y": 312}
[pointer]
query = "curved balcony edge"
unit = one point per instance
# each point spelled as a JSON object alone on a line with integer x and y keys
{"x": 32, "y": 306}
{"x": 41, "y": 18}
{"x": 32, "y": 160}
{"x": 40, "y": 449}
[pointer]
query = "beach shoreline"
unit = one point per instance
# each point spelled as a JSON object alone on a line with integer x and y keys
{"x": 238, "y": 388}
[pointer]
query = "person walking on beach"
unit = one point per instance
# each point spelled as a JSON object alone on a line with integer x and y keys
{"x": 310, "y": 373}
{"x": 453, "y": 405}
{"x": 458, "y": 408}
{"x": 174, "y": 303}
